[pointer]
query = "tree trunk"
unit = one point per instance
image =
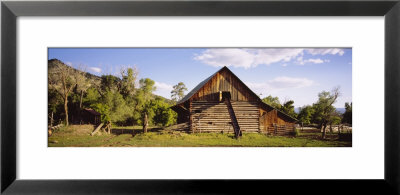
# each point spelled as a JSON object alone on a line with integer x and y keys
{"x": 66, "y": 110}
{"x": 330, "y": 128}
{"x": 80, "y": 103}
{"x": 324, "y": 130}
{"x": 52, "y": 119}
{"x": 145, "y": 123}
{"x": 80, "y": 108}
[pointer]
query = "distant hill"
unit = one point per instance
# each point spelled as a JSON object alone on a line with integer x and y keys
{"x": 51, "y": 65}
{"x": 340, "y": 110}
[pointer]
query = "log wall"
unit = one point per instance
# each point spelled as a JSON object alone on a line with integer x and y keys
{"x": 213, "y": 116}
{"x": 270, "y": 120}
{"x": 280, "y": 129}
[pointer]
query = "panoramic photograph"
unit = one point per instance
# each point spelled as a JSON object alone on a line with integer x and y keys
{"x": 199, "y": 97}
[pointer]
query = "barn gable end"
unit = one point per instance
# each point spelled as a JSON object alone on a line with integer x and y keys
{"x": 222, "y": 80}
{"x": 206, "y": 110}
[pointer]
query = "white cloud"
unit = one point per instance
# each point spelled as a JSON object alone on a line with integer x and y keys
{"x": 227, "y": 57}
{"x": 331, "y": 51}
{"x": 280, "y": 83}
{"x": 301, "y": 61}
{"x": 289, "y": 82}
{"x": 68, "y": 63}
{"x": 163, "y": 86}
{"x": 248, "y": 58}
{"x": 315, "y": 61}
{"x": 95, "y": 69}
{"x": 163, "y": 89}
{"x": 269, "y": 56}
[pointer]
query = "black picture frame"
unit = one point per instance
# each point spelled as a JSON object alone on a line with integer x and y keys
{"x": 11, "y": 10}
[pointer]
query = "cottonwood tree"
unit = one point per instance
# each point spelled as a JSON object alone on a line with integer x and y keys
{"x": 178, "y": 91}
{"x": 305, "y": 114}
{"x": 82, "y": 83}
{"x": 324, "y": 108}
{"x": 335, "y": 119}
{"x": 110, "y": 83}
{"x": 288, "y": 108}
{"x": 145, "y": 94}
{"x": 272, "y": 101}
{"x": 347, "y": 116}
{"x": 62, "y": 79}
{"x": 128, "y": 83}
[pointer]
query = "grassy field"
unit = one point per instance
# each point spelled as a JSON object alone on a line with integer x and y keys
{"x": 79, "y": 136}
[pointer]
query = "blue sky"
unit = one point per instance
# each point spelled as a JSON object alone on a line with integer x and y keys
{"x": 297, "y": 74}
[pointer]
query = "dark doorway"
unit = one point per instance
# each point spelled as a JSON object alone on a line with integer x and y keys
{"x": 226, "y": 95}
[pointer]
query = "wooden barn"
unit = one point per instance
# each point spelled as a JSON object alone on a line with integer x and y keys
{"x": 223, "y": 103}
{"x": 90, "y": 116}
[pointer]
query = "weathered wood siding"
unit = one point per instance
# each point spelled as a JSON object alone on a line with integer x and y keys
{"x": 224, "y": 81}
{"x": 204, "y": 111}
{"x": 247, "y": 115}
{"x": 280, "y": 129}
{"x": 272, "y": 122}
{"x": 213, "y": 116}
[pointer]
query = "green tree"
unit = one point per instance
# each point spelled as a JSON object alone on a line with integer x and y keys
{"x": 272, "y": 101}
{"x": 119, "y": 110}
{"x": 128, "y": 83}
{"x": 178, "y": 91}
{"x": 62, "y": 79}
{"x": 288, "y": 108}
{"x": 163, "y": 115}
{"x": 92, "y": 96}
{"x": 104, "y": 110}
{"x": 144, "y": 97}
{"x": 335, "y": 119}
{"x": 54, "y": 102}
{"x": 147, "y": 88}
{"x": 324, "y": 108}
{"x": 305, "y": 114}
{"x": 110, "y": 83}
{"x": 347, "y": 115}
{"x": 82, "y": 84}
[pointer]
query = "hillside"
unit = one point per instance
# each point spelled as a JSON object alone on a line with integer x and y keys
{"x": 94, "y": 78}
{"x": 51, "y": 65}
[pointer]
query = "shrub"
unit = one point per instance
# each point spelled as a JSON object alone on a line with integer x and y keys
{"x": 296, "y": 132}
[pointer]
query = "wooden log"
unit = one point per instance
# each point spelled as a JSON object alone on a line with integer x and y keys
{"x": 97, "y": 129}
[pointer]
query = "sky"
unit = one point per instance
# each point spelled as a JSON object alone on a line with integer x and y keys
{"x": 297, "y": 74}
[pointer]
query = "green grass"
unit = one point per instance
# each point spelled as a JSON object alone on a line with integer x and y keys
{"x": 68, "y": 137}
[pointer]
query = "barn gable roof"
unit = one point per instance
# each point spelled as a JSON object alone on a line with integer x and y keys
{"x": 201, "y": 84}
{"x": 91, "y": 111}
{"x": 198, "y": 87}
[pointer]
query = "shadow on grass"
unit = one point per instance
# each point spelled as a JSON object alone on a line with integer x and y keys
{"x": 133, "y": 132}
